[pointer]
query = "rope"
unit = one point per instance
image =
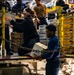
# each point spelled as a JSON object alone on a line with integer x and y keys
{"x": 25, "y": 48}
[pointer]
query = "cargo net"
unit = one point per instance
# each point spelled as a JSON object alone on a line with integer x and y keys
{"x": 66, "y": 33}
{"x": 67, "y": 50}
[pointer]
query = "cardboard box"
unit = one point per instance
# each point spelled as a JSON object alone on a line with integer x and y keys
{"x": 38, "y": 49}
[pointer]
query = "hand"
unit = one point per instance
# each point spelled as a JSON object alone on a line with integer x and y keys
{"x": 38, "y": 20}
{"x": 8, "y": 18}
{"x": 37, "y": 57}
{"x": 43, "y": 51}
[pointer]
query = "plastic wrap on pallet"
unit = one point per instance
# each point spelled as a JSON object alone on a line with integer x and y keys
{"x": 16, "y": 35}
{"x": 42, "y": 34}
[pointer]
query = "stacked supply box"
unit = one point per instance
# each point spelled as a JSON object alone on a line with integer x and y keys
{"x": 66, "y": 33}
{"x": 16, "y": 40}
{"x": 42, "y": 34}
